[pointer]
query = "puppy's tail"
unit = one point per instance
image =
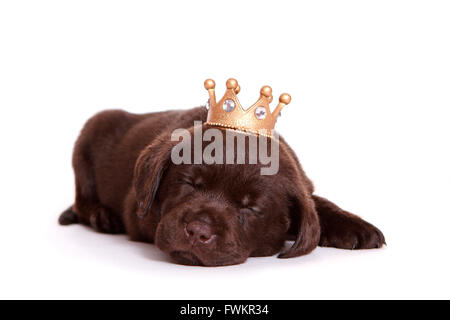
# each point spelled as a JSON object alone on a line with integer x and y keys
{"x": 68, "y": 217}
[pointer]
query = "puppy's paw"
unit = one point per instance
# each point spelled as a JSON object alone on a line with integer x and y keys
{"x": 352, "y": 233}
{"x": 106, "y": 221}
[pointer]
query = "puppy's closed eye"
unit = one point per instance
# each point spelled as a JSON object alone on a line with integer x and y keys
{"x": 247, "y": 212}
{"x": 251, "y": 210}
{"x": 185, "y": 181}
{"x": 194, "y": 183}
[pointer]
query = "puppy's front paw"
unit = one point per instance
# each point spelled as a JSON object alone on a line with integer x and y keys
{"x": 352, "y": 233}
{"x": 105, "y": 221}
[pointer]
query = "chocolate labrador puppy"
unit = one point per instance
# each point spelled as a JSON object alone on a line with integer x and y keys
{"x": 200, "y": 214}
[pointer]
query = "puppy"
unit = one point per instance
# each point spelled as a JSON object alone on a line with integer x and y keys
{"x": 200, "y": 214}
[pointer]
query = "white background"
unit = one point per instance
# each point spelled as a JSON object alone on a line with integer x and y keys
{"x": 369, "y": 120}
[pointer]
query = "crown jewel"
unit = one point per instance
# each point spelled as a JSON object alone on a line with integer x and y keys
{"x": 228, "y": 112}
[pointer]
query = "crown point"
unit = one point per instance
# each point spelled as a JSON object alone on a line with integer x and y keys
{"x": 266, "y": 91}
{"x": 285, "y": 98}
{"x": 209, "y": 84}
{"x": 232, "y": 83}
{"x": 238, "y": 89}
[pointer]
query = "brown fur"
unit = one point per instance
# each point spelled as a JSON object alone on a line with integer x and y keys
{"x": 125, "y": 182}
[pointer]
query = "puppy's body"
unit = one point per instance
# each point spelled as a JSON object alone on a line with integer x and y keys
{"x": 122, "y": 170}
{"x": 105, "y": 155}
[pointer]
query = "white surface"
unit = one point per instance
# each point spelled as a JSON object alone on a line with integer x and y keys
{"x": 369, "y": 120}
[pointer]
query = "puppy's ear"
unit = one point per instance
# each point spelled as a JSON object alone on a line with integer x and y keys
{"x": 304, "y": 225}
{"x": 304, "y": 220}
{"x": 148, "y": 172}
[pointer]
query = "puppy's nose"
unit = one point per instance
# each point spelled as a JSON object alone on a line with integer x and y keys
{"x": 199, "y": 232}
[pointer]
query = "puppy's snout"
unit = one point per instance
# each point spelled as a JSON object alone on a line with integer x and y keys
{"x": 199, "y": 232}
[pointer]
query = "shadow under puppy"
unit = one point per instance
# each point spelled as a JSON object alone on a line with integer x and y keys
{"x": 200, "y": 214}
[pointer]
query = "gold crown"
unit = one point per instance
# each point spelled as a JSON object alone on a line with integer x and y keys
{"x": 228, "y": 112}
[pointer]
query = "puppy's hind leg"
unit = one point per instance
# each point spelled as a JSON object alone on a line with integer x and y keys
{"x": 88, "y": 209}
{"x": 341, "y": 229}
{"x": 91, "y": 212}
{"x": 101, "y": 219}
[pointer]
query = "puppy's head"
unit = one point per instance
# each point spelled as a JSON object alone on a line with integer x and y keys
{"x": 220, "y": 214}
